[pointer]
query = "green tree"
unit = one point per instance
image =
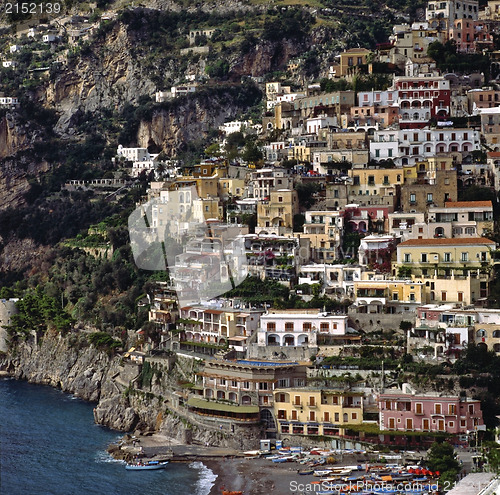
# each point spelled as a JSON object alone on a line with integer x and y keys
{"x": 441, "y": 457}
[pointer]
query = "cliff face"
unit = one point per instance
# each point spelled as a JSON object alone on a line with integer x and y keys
{"x": 107, "y": 77}
{"x": 124, "y": 401}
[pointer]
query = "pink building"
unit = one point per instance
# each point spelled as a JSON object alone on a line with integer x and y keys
{"x": 429, "y": 413}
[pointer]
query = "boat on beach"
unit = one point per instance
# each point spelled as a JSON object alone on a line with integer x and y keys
{"x": 146, "y": 466}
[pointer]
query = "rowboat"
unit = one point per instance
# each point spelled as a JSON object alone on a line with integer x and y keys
{"x": 146, "y": 466}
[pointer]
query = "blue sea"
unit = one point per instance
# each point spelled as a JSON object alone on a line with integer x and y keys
{"x": 49, "y": 445}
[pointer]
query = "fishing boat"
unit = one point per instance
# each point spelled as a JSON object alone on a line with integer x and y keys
{"x": 306, "y": 471}
{"x": 146, "y": 466}
{"x": 323, "y": 472}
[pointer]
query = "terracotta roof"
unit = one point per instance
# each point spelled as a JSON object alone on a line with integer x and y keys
{"x": 446, "y": 242}
{"x": 493, "y": 153}
{"x": 467, "y": 204}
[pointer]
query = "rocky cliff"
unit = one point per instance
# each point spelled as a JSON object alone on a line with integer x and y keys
{"x": 126, "y": 398}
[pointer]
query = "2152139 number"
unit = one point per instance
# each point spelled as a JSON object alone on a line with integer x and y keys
{"x": 32, "y": 8}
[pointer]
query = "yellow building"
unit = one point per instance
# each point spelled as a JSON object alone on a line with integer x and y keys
{"x": 488, "y": 334}
{"x": 453, "y": 269}
{"x": 375, "y": 186}
{"x": 208, "y": 186}
{"x": 231, "y": 188}
{"x": 207, "y": 208}
{"x": 275, "y": 216}
{"x": 388, "y": 296}
{"x": 352, "y": 59}
{"x": 304, "y": 411}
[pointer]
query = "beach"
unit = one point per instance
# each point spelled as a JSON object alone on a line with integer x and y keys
{"x": 254, "y": 476}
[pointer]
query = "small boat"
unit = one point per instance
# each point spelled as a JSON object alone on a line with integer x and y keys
{"x": 306, "y": 471}
{"x": 146, "y": 466}
{"x": 323, "y": 472}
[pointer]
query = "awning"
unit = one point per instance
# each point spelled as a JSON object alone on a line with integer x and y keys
{"x": 243, "y": 315}
{"x": 238, "y": 338}
{"x": 213, "y": 311}
{"x": 217, "y": 406}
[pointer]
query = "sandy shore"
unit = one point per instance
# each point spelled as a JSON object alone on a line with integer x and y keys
{"x": 256, "y": 476}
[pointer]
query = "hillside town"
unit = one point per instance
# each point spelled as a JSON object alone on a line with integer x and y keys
{"x": 385, "y": 238}
{"x": 327, "y": 271}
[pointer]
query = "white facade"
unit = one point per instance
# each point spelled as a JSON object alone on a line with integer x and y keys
{"x": 414, "y": 145}
{"x": 184, "y": 89}
{"x": 234, "y": 126}
{"x": 373, "y": 98}
{"x": 9, "y": 63}
{"x": 315, "y": 124}
{"x": 298, "y": 328}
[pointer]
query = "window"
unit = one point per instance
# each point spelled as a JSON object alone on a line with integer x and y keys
{"x": 326, "y": 417}
{"x": 451, "y": 409}
{"x": 234, "y": 383}
{"x": 294, "y": 415}
{"x": 306, "y": 327}
{"x": 354, "y": 416}
{"x": 289, "y": 326}
{"x": 271, "y": 326}
{"x": 429, "y": 198}
{"x": 246, "y": 385}
{"x": 280, "y": 199}
{"x": 281, "y": 414}
{"x": 419, "y": 408}
{"x": 263, "y": 386}
{"x": 460, "y": 297}
{"x": 281, "y": 398}
{"x": 413, "y": 198}
{"x": 425, "y": 424}
{"x": 296, "y": 400}
{"x": 324, "y": 327}
{"x": 443, "y": 295}
{"x": 464, "y": 257}
{"x": 423, "y": 258}
{"x": 337, "y": 417}
{"x": 312, "y": 416}
{"x": 312, "y": 401}
{"x": 447, "y": 257}
{"x": 437, "y": 408}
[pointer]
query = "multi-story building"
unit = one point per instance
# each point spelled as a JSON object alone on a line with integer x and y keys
{"x": 332, "y": 104}
{"x": 408, "y": 146}
{"x": 359, "y": 218}
{"x": 442, "y": 13}
{"x": 216, "y": 325}
{"x": 301, "y": 327}
{"x": 275, "y": 215}
{"x": 454, "y": 415}
{"x": 490, "y": 127}
{"x": 265, "y": 180}
{"x": 312, "y": 411}
{"x": 335, "y": 279}
{"x": 454, "y": 270}
{"x": 482, "y": 98}
{"x": 403, "y": 224}
{"x": 418, "y": 195}
{"x": 421, "y": 99}
{"x": 460, "y": 219}
{"x": 244, "y": 390}
{"x": 275, "y": 257}
{"x": 373, "y": 186}
{"x": 351, "y": 60}
{"x": 388, "y": 296}
{"x": 324, "y": 231}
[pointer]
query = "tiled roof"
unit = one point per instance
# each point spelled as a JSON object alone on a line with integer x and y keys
{"x": 447, "y": 242}
{"x": 467, "y": 204}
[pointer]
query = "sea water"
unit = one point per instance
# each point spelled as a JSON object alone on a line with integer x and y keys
{"x": 50, "y": 445}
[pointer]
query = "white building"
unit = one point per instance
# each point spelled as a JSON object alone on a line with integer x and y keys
{"x": 314, "y": 124}
{"x": 408, "y": 146}
{"x": 182, "y": 90}
{"x": 234, "y": 126}
{"x": 299, "y": 327}
{"x": 373, "y": 98}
